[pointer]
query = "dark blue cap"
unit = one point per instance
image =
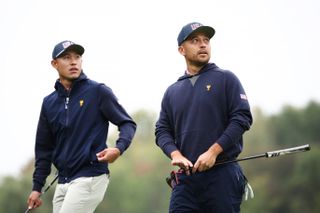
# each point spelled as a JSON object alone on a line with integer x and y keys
{"x": 64, "y": 46}
{"x": 194, "y": 27}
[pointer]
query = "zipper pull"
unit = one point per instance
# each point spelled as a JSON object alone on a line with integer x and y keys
{"x": 66, "y": 103}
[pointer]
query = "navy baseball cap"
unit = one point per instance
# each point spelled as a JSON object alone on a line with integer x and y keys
{"x": 64, "y": 46}
{"x": 194, "y": 27}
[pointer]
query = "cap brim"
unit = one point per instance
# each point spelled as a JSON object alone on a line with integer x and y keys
{"x": 207, "y": 30}
{"x": 74, "y": 48}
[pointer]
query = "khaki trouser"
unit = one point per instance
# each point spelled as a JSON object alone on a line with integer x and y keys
{"x": 81, "y": 195}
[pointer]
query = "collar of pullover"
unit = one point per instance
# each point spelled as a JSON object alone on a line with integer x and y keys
{"x": 204, "y": 69}
{"x": 60, "y": 88}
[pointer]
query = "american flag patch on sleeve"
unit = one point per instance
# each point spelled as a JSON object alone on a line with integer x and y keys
{"x": 243, "y": 97}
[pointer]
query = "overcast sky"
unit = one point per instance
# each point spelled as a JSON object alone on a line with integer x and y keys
{"x": 271, "y": 45}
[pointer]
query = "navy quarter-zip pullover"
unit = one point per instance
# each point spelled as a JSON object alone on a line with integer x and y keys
{"x": 73, "y": 127}
{"x": 197, "y": 111}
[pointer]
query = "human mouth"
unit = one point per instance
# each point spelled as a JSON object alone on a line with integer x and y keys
{"x": 203, "y": 53}
{"x": 73, "y": 70}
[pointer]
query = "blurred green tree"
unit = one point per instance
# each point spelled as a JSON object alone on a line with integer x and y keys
{"x": 137, "y": 182}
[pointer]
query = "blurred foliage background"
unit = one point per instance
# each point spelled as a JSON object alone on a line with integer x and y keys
{"x": 137, "y": 185}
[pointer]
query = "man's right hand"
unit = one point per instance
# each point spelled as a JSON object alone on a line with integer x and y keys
{"x": 179, "y": 160}
{"x": 34, "y": 200}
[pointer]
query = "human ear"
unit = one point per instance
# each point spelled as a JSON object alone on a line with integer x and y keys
{"x": 181, "y": 50}
{"x": 54, "y": 63}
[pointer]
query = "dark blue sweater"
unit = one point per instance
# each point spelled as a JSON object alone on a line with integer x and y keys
{"x": 197, "y": 111}
{"x": 73, "y": 127}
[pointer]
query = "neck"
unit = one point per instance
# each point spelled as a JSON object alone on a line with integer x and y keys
{"x": 66, "y": 84}
{"x": 194, "y": 68}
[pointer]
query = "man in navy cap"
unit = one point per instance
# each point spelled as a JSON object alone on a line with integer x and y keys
{"x": 72, "y": 132}
{"x": 202, "y": 120}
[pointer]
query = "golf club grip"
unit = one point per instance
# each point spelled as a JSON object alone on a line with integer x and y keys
{"x": 292, "y": 150}
{"x": 44, "y": 191}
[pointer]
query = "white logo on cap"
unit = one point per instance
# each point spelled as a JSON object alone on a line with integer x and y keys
{"x": 66, "y": 44}
{"x": 195, "y": 26}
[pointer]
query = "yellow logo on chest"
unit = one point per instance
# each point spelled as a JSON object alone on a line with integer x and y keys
{"x": 81, "y": 102}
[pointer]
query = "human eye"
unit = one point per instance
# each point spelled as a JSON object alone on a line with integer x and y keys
{"x": 194, "y": 40}
{"x": 65, "y": 57}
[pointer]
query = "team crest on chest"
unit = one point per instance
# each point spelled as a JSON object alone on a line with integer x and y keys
{"x": 81, "y": 102}
{"x": 208, "y": 87}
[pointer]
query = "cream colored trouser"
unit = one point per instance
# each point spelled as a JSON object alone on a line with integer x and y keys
{"x": 81, "y": 195}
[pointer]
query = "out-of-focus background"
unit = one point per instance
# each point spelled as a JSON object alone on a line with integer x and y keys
{"x": 272, "y": 46}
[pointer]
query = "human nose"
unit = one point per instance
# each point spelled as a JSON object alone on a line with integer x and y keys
{"x": 74, "y": 60}
{"x": 203, "y": 43}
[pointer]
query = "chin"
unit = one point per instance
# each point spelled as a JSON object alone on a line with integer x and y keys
{"x": 201, "y": 63}
{"x": 74, "y": 76}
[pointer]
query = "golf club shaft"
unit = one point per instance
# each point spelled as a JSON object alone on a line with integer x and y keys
{"x": 270, "y": 154}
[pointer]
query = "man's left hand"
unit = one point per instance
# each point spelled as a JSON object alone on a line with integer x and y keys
{"x": 207, "y": 159}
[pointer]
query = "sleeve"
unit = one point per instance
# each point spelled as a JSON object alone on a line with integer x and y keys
{"x": 164, "y": 131}
{"x": 117, "y": 115}
{"x": 239, "y": 114}
{"x": 43, "y": 152}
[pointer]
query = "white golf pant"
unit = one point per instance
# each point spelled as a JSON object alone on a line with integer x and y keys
{"x": 81, "y": 195}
